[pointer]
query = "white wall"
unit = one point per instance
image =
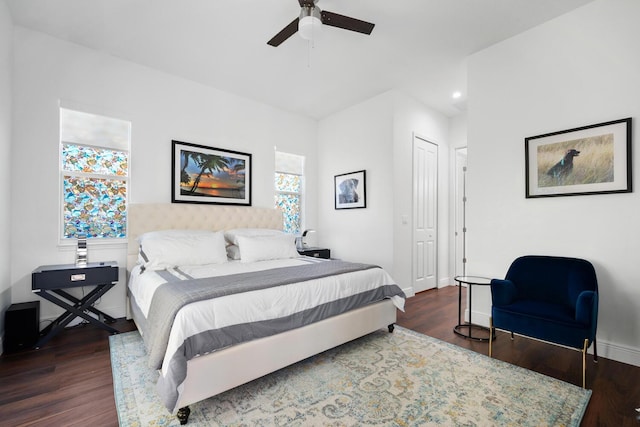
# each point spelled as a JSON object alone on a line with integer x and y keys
{"x": 161, "y": 107}
{"x": 579, "y": 69}
{"x": 6, "y": 40}
{"x": 358, "y": 138}
{"x": 376, "y": 135}
{"x": 458, "y": 131}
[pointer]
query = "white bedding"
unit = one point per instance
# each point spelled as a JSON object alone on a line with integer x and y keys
{"x": 271, "y": 303}
{"x": 142, "y": 286}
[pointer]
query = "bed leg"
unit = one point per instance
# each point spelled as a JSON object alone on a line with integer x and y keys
{"x": 391, "y": 328}
{"x": 183, "y": 415}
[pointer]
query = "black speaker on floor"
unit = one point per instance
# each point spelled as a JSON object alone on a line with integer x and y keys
{"x": 21, "y": 326}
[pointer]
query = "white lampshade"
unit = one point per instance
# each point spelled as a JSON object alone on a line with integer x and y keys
{"x": 309, "y": 26}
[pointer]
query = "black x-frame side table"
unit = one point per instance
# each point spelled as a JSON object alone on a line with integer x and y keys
{"x": 50, "y": 282}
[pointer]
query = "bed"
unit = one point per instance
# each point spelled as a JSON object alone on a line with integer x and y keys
{"x": 208, "y": 370}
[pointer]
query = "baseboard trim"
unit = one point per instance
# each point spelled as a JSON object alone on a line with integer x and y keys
{"x": 445, "y": 281}
{"x": 606, "y": 349}
{"x": 409, "y": 292}
{"x": 619, "y": 353}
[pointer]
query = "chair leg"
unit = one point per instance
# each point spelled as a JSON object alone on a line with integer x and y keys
{"x": 595, "y": 351}
{"x": 511, "y": 335}
{"x": 490, "y": 335}
{"x": 584, "y": 362}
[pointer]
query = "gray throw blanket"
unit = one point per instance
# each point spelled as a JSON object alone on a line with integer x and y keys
{"x": 169, "y": 298}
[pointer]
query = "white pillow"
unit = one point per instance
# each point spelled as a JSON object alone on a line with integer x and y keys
{"x": 261, "y": 248}
{"x": 232, "y": 235}
{"x": 171, "y": 248}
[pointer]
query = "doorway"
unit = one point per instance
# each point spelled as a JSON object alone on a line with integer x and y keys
{"x": 460, "y": 197}
{"x": 425, "y": 214}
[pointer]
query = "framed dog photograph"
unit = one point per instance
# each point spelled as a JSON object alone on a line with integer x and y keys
{"x": 202, "y": 174}
{"x": 594, "y": 159}
{"x": 350, "y": 190}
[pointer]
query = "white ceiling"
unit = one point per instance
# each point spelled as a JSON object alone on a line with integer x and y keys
{"x": 417, "y": 46}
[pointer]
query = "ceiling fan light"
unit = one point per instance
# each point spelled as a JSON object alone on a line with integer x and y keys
{"x": 309, "y": 24}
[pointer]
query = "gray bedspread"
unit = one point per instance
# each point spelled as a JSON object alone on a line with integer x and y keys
{"x": 170, "y": 297}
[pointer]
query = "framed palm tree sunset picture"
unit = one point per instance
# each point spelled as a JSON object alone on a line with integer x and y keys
{"x": 202, "y": 174}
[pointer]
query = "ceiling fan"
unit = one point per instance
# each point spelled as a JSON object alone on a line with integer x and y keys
{"x": 311, "y": 20}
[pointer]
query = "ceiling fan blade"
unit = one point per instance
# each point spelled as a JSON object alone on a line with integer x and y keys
{"x": 344, "y": 22}
{"x": 284, "y": 34}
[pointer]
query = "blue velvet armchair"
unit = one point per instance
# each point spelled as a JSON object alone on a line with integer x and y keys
{"x": 554, "y": 299}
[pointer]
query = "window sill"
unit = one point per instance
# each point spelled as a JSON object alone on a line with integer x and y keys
{"x": 96, "y": 244}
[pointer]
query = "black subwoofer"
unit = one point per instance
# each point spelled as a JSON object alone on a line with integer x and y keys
{"x": 21, "y": 326}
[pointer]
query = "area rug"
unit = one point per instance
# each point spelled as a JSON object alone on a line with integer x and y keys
{"x": 399, "y": 379}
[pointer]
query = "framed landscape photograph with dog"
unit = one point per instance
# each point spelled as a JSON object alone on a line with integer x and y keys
{"x": 202, "y": 174}
{"x": 594, "y": 159}
{"x": 350, "y": 190}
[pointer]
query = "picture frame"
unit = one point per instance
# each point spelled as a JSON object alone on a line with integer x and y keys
{"x": 594, "y": 159}
{"x": 203, "y": 174}
{"x": 350, "y": 190}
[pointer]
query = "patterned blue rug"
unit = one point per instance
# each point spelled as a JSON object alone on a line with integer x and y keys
{"x": 399, "y": 379}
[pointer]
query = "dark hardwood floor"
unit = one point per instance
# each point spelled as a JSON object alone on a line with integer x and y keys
{"x": 68, "y": 382}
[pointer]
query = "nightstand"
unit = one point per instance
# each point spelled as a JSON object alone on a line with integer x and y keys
{"x": 50, "y": 282}
{"x": 316, "y": 252}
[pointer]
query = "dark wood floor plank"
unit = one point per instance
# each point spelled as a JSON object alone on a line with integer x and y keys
{"x": 69, "y": 381}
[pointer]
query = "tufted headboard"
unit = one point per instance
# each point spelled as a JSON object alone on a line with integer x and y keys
{"x": 146, "y": 217}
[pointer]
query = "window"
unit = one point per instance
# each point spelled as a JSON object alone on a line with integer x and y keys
{"x": 94, "y": 173}
{"x": 289, "y": 184}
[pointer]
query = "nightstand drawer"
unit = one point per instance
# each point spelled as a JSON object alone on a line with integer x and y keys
{"x": 316, "y": 252}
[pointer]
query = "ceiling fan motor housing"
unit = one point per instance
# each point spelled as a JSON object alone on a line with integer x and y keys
{"x": 310, "y": 22}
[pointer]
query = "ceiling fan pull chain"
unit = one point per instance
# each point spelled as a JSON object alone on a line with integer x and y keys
{"x": 310, "y": 45}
